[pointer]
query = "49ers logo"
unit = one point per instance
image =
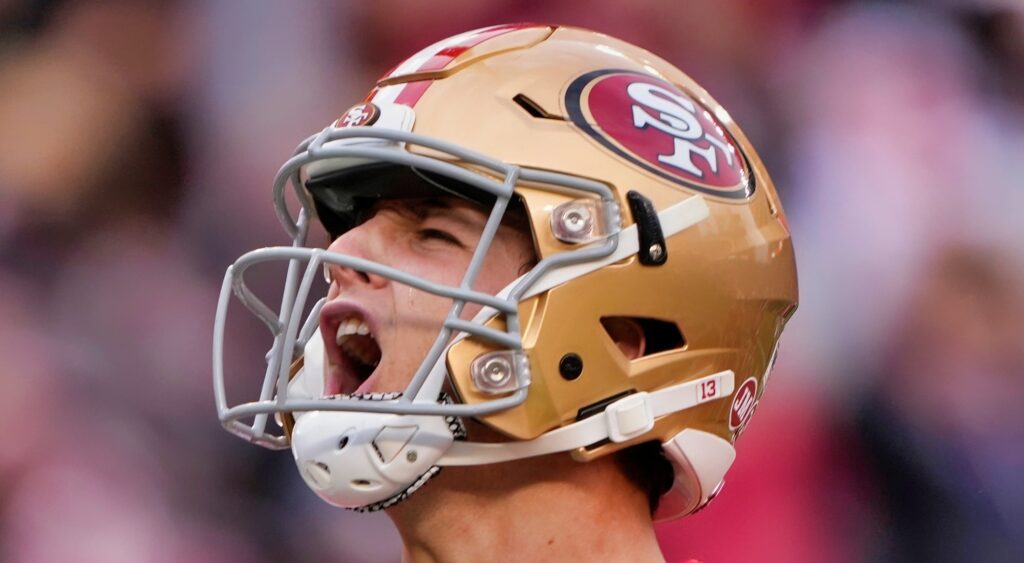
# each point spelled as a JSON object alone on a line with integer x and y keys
{"x": 359, "y": 115}
{"x": 660, "y": 128}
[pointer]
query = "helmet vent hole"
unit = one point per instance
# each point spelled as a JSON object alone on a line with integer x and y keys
{"x": 658, "y": 335}
{"x": 364, "y": 484}
{"x": 533, "y": 108}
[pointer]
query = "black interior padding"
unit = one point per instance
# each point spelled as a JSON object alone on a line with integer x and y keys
{"x": 343, "y": 197}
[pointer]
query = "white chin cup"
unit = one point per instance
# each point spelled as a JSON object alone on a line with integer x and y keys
{"x": 357, "y": 459}
{"x": 308, "y": 383}
{"x": 700, "y": 460}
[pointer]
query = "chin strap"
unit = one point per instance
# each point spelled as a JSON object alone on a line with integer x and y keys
{"x": 621, "y": 421}
{"x": 388, "y": 503}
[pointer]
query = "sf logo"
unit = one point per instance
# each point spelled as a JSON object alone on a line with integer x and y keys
{"x": 355, "y": 116}
{"x": 359, "y": 114}
{"x": 676, "y": 116}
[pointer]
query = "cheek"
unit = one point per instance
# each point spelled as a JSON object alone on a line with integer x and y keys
{"x": 419, "y": 311}
{"x": 501, "y": 267}
{"x": 503, "y": 263}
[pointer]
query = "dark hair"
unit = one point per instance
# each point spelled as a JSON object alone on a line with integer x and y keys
{"x": 647, "y": 467}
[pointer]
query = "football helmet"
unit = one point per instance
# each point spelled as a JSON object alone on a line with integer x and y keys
{"x": 645, "y": 203}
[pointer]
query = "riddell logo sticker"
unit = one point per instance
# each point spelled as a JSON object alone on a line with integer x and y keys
{"x": 743, "y": 404}
{"x": 359, "y": 115}
{"x": 658, "y": 127}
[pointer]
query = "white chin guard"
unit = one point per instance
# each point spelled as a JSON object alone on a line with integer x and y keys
{"x": 369, "y": 461}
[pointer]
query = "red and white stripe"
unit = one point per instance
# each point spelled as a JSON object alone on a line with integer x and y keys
{"x": 434, "y": 58}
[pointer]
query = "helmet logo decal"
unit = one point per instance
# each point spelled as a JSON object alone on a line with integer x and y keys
{"x": 359, "y": 115}
{"x": 743, "y": 405}
{"x": 660, "y": 128}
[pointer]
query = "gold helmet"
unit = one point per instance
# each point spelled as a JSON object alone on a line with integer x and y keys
{"x": 647, "y": 205}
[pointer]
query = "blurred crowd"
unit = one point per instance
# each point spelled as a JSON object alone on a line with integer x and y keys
{"x": 138, "y": 139}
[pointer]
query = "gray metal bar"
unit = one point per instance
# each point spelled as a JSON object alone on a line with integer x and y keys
{"x": 312, "y": 323}
{"x": 468, "y": 279}
{"x": 289, "y": 253}
{"x": 249, "y": 299}
{"x": 277, "y": 351}
{"x": 291, "y": 330}
{"x": 387, "y": 407}
{"x": 219, "y": 322}
{"x": 509, "y": 340}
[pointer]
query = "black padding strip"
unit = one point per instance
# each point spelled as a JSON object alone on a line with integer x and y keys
{"x": 652, "y": 251}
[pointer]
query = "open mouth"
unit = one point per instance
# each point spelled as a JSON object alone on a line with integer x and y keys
{"x": 358, "y": 346}
{"x": 354, "y": 357}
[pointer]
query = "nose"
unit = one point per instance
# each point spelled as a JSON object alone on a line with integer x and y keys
{"x": 365, "y": 241}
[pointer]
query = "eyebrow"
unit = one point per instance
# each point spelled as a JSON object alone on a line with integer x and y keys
{"x": 430, "y": 208}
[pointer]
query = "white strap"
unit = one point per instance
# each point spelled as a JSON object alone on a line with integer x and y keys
{"x": 599, "y": 427}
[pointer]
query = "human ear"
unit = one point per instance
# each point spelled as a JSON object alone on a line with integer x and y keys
{"x": 627, "y": 334}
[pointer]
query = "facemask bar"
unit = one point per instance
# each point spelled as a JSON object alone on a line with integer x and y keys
{"x": 290, "y": 338}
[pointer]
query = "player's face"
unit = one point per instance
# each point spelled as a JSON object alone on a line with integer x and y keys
{"x": 377, "y": 331}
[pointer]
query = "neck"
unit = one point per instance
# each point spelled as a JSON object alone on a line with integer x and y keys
{"x": 542, "y": 509}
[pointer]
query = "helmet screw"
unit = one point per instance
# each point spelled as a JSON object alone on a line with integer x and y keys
{"x": 343, "y": 442}
{"x": 570, "y": 366}
{"x": 497, "y": 371}
{"x": 576, "y": 219}
{"x": 655, "y": 251}
{"x": 411, "y": 456}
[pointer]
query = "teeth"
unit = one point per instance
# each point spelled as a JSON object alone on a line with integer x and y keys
{"x": 355, "y": 340}
{"x": 350, "y": 327}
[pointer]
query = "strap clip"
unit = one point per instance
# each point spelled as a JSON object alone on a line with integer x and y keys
{"x": 629, "y": 417}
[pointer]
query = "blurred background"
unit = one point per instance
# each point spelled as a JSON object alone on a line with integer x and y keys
{"x": 138, "y": 141}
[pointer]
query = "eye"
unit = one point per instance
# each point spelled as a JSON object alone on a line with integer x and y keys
{"x": 437, "y": 234}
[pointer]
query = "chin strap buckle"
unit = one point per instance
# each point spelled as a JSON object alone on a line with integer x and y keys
{"x": 629, "y": 417}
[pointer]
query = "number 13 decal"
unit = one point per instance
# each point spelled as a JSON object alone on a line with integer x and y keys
{"x": 708, "y": 389}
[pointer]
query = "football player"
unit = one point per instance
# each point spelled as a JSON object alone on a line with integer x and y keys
{"x": 558, "y": 277}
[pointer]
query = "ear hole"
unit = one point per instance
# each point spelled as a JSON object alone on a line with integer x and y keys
{"x": 655, "y": 335}
{"x": 533, "y": 108}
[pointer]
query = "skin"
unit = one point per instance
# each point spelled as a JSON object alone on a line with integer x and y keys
{"x": 549, "y": 508}
{"x": 431, "y": 239}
